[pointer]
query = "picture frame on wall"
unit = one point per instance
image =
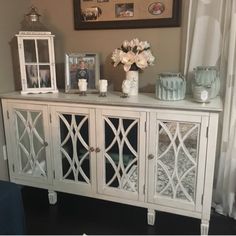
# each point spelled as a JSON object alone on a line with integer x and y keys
{"x": 120, "y": 14}
{"x": 82, "y": 66}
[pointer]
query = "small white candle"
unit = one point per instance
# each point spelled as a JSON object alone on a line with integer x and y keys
{"x": 82, "y": 84}
{"x": 103, "y": 86}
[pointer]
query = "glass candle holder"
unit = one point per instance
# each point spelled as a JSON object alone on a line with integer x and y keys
{"x": 103, "y": 88}
{"x": 201, "y": 94}
{"x": 126, "y": 86}
{"x": 208, "y": 77}
{"x": 82, "y": 84}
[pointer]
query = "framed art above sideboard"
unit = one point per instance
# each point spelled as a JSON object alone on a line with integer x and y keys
{"x": 123, "y": 14}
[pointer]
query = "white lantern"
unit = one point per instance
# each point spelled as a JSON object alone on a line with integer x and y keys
{"x": 36, "y": 56}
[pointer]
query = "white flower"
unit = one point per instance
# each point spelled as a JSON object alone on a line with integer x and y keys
{"x": 149, "y": 56}
{"x": 126, "y": 44}
{"x": 128, "y": 59}
{"x": 134, "y": 42}
{"x": 146, "y": 45}
{"x": 141, "y": 46}
{"x": 133, "y": 54}
{"x": 141, "y": 60}
{"x": 116, "y": 56}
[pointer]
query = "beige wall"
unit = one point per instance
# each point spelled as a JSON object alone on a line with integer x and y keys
{"x": 11, "y": 13}
{"x": 58, "y": 16}
{"x": 165, "y": 42}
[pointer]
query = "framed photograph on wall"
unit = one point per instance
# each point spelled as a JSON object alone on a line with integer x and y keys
{"x": 82, "y": 66}
{"x": 121, "y": 14}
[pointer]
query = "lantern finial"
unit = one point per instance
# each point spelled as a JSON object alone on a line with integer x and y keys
{"x": 31, "y": 21}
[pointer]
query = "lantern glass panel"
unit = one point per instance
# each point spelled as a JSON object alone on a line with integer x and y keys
{"x": 43, "y": 50}
{"x": 32, "y": 76}
{"x": 29, "y": 50}
{"x": 45, "y": 76}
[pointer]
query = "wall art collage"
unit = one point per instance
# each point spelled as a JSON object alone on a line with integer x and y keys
{"x": 110, "y": 14}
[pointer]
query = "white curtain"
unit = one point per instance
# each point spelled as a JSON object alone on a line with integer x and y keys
{"x": 225, "y": 194}
{"x": 211, "y": 41}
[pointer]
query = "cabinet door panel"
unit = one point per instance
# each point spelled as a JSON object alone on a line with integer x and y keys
{"x": 175, "y": 176}
{"x": 73, "y": 145}
{"x": 121, "y": 138}
{"x": 30, "y": 137}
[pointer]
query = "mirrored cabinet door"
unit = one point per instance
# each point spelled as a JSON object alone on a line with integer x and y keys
{"x": 74, "y": 148}
{"x": 121, "y": 153}
{"x": 29, "y": 130}
{"x": 176, "y": 153}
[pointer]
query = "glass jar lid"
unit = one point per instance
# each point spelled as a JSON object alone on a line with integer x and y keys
{"x": 205, "y": 68}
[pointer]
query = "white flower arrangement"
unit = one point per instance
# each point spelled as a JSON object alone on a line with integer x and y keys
{"x": 134, "y": 55}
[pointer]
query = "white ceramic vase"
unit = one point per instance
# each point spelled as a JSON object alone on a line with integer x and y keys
{"x": 133, "y": 77}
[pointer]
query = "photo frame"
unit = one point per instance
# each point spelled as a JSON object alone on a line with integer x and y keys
{"x": 82, "y": 66}
{"x": 120, "y": 14}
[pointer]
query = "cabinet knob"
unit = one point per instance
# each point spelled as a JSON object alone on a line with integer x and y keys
{"x": 150, "y": 156}
{"x": 98, "y": 149}
{"x": 45, "y": 144}
{"x": 91, "y": 149}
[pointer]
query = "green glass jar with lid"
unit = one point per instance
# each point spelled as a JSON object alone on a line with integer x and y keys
{"x": 206, "y": 83}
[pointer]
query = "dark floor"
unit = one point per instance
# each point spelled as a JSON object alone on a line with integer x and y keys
{"x": 78, "y": 215}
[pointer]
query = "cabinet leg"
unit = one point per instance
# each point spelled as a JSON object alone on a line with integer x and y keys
{"x": 151, "y": 215}
{"x": 52, "y": 197}
{"x": 204, "y": 227}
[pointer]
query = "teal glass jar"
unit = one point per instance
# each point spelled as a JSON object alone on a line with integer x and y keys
{"x": 206, "y": 78}
{"x": 201, "y": 94}
{"x": 170, "y": 86}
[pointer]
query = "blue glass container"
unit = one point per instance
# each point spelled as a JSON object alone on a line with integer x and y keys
{"x": 170, "y": 86}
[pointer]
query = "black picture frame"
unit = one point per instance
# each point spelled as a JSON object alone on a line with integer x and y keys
{"x": 80, "y": 24}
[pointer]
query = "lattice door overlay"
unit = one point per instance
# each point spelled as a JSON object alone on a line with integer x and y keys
{"x": 74, "y": 147}
{"x": 31, "y": 142}
{"x": 177, "y": 158}
{"x": 121, "y": 153}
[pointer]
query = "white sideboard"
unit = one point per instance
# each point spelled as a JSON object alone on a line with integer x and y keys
{"x": 140, "y": 151}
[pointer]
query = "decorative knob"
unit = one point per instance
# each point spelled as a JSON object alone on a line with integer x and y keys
{"x": 45, "y": 144}
{"x": 98, "y": 149}
{"x": 91, "y": 149}
{"x": 150, "y": 156}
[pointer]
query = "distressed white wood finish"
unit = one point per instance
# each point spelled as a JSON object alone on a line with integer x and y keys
{"x": 151, "y": 216}
{"x": 204, "y": 227}
{"x": 25, "y": 63}
{"x": 69, "y": 158}
{"x": 30, "y": 137}
{"x": 174, "y": 173}
{"x": 52, "y": 197}
{"x": 209, "y": 172}
{"x": 66, "y": 114}
{"x": 147, "y": 100}
{"x": 130, "y": 184}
